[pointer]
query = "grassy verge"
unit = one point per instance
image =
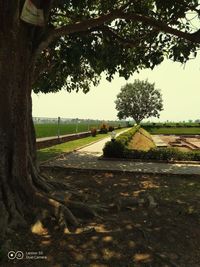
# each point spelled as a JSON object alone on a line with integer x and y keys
{"x": 51, "y": 152}
{"x": 174, "y": 130}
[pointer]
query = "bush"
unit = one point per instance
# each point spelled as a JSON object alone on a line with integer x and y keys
{"x": 168, "y": 154}
{"x": 103, "y": 129}
{"x": 126, "y": 137}
{"x": 118, "y": 148}
{"x": 111, "y": 128}
{"x": 114, "y": 149}
{"x": 93, "y": 132}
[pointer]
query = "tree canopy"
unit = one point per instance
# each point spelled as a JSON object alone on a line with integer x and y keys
{"x": 139, "y": 100}
{"x": 82, "y": 39}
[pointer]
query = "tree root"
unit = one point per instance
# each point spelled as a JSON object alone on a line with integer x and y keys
{"x": 55, "y": 202}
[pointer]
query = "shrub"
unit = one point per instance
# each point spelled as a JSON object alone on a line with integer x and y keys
{"x": 118, "y": 148}
{"x": 111, "y": 128}
{"x": 93, "y": 132}
{"x": 126, "y": 137}
{"x": 114, "y": 149}
{"x": 103, "y": 129}
{"x": 168, "y": 154}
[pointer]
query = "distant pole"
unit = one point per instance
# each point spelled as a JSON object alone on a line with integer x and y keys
{"x": 76, "y": 126}
{"x": 88, "y": 125}
{"x": 58, "y": 130}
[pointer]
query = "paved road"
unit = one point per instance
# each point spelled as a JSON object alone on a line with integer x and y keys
{"x": 87, "y": 158}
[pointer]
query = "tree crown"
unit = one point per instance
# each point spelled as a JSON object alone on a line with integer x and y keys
{"x": 82, "y": 39}
{"x": 139, "y": 100}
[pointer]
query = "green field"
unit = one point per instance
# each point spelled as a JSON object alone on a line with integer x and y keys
{"x": 51, "y": 129}
{"x": 174, "y": 130}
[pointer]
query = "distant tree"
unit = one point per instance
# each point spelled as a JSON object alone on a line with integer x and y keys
{"x": 139, "y": 100}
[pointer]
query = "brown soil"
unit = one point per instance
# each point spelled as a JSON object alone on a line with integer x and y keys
{"x": 185, "y": 143}
{"x": 131, "y": 233}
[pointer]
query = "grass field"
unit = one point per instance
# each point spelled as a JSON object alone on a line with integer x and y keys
{"x": 174, "y": 130}
{"x": 51, "y": 129}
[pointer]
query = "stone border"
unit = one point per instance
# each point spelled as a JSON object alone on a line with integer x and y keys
{"x": 149, "y": 161}
{"x": 94, "y": 171}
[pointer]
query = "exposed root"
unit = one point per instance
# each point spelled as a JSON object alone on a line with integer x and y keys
{"x": 47, "y": 201}
{"x": 55, "y": 209}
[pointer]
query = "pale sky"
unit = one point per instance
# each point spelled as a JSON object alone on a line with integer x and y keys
{"x": 179, "y": 85}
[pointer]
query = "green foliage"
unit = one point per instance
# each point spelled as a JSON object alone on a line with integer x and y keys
{"x": 126, "y": 137}
{"x": 168, "y": 154}
{"x": 158, "y": 154}
{"x": 139, "y": 100}
{"x": 170, "y": 125}
{"x": 76, "y": 60}
{"x": 174, "y": 130}
{"x": 114, "y": 149}
{"x": 118, "y": 147}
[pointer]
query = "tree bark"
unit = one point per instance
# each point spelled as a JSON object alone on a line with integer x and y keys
{"x": 23, "y": 191}
{"x": 15, "y": 93}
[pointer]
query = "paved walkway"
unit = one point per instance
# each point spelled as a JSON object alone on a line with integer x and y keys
{"x": 88, "y": 158}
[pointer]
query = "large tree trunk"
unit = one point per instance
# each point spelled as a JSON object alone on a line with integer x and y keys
{"x": 23, "y": 191}
{"x": 14, "y": 105}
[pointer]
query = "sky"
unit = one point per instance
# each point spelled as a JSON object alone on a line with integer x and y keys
{"x": 179, "y": 85}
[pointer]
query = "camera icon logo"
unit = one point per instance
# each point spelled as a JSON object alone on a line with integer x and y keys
{"x": 15, "y": 255}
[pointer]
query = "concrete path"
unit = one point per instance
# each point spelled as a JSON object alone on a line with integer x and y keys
{"x": 91, "y": 161}
{"x": 97, "y": 147}
{"x": 88, "y": 158}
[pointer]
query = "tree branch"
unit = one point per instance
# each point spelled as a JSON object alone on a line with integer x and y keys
{"x": 129, "y": 43}
{"x": 159, "y": 25}
{"x": 117, "y": 14}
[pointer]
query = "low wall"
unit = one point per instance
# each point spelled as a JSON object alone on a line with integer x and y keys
{"x": 55, "y": 141}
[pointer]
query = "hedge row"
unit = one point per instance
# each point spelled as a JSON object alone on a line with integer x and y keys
{"x": 118, "y": 147}
{"x": 167, "y": 154}
{"x": 170, "y": 125}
